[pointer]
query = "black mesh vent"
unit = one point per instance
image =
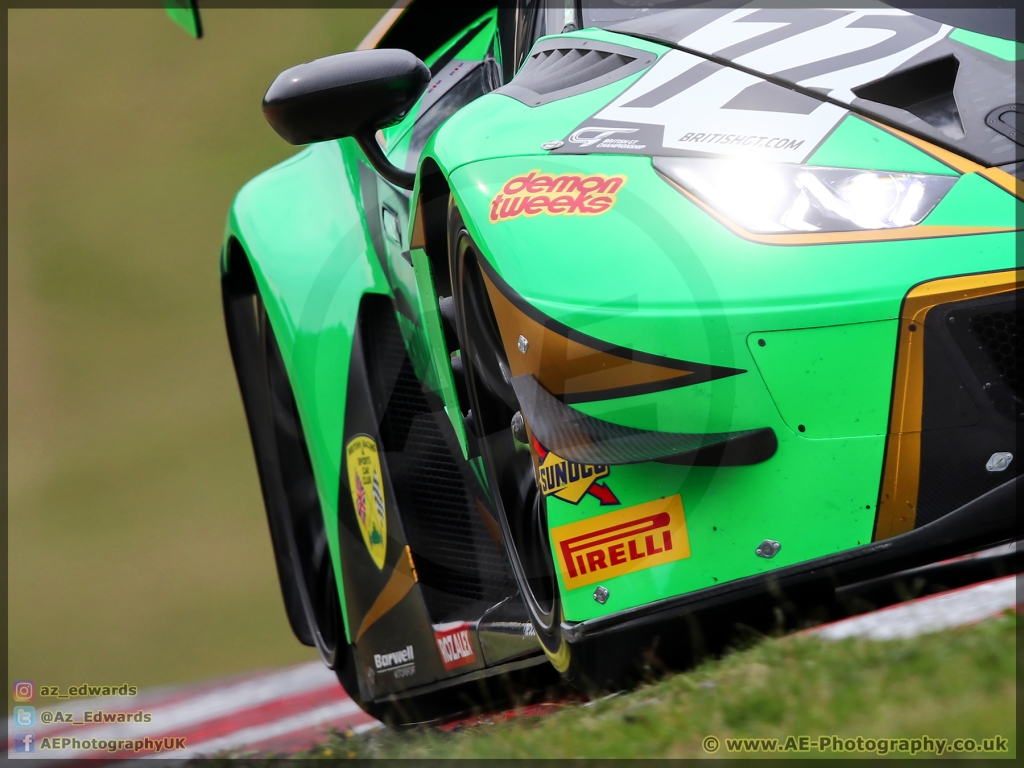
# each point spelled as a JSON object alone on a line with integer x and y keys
{"x": 559, "y": 68}
{"x": 996, "y": 333}
{"x": 988, "y": 338}
{"x": 971, "y": 402}
{"x": 456, "y": 559}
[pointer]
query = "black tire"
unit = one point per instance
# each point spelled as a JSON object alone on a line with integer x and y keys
{"x": 613, "y": 663}
{"x": 487, "y": 694}
{"x": 298, "y": 530}
{"x": 521, "y": 508}
{"x": 306, "y": 532}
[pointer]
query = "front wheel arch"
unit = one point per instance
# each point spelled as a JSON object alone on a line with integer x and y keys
{"x": 520, "y": 506}
{"x": 294, "y": 516}
{"x": 594, "y": 665}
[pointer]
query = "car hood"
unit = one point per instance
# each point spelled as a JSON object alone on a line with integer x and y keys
{"x": 772, "y": 83}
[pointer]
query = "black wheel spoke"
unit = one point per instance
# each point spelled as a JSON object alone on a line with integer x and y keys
{"x": 494, "y": 404}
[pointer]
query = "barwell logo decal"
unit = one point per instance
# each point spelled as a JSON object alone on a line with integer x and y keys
{"x": 569, "y": 481}
{"x": 622, "y": 542}
{"x": 366, "y": 482}
{"x": 567, "y": 194}
{"x": 395, "y": 659}
{"x": 454, "y": 644}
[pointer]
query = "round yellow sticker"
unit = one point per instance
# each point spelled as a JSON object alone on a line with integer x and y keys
{"x": 366, "y": 482}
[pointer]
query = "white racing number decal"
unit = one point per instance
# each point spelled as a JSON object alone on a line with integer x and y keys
{"x": 687, "y": 104}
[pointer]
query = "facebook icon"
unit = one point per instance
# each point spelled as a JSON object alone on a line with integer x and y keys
{"x": 24, "y": 742}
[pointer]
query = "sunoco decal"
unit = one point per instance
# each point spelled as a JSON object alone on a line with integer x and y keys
{"x": 621, "y": 542}
{"x": 569, "y": 481}
{"x": 454, "y": 644}
{"x": 366, "y": 482}
{"x": 566, "y": 194}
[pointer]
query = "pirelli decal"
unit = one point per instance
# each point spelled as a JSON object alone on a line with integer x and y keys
{"x": 622, "y": 542}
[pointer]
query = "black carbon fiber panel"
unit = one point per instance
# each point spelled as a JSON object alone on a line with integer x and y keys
{"x": 575, "y": 436}
{"x": 563, "y": 67}
{"x": 456, "y": 559}
{"x": 971, "y": 402}
{"x": 990, "y": 342}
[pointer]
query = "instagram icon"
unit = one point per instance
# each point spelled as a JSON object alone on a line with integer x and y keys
{"x": 24, "y": 690}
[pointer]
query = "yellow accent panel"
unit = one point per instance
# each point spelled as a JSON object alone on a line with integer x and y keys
{"x": 997, "y": 176}
{"x": 897, "y": 508}
{"x": 561, "y": 365}
{"x": 419, "y": 236}
{"x": 402, "y": 580}
{"x": 1006, "y": 181}
{"x": 375, "y": 35}
{"x": 952, "y": 159}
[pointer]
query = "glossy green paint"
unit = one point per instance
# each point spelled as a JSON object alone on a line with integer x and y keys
{"x": 1008, "y": 50}
{"x": 474, "y": 49}
{"x": 655, "y": 273}
{"x": 185, "y": 13}
{"x": 815, "y": 497}
{"x": 397, "y": 137}
{"x": 434, "y": 358}
{"x": 303, "y": 229}
{"x": 496, "y": 125}
{"x": 658, "y": 274}
{"x": 856, "y": 143}
{"x": 493, "y": 125}
{"x": 829, "y": 382}
{"x": 974, "y": 201}
{"x": 302, "y": 224}
{"x": 425, "y": 337}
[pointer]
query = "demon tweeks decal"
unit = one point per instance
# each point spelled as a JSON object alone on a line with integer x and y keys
{"x": 566, "y": 194}
{"x": 688, "y": 104}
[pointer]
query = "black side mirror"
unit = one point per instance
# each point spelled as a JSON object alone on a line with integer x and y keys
{"x": 350, "y": 94}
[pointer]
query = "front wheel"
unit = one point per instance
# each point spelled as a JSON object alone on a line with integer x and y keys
{"x": 509, "y": 464}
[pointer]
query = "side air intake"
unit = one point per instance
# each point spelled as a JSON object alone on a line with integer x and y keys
{"x": 563, "y": 67}
{"x": 925, "y": 91}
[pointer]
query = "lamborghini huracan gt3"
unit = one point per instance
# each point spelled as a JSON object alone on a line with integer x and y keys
{"x": 581, "y": 332}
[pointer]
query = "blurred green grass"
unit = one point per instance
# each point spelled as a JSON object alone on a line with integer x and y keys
{"x": 137, "y": 542}
{"x": 954, "y": 684}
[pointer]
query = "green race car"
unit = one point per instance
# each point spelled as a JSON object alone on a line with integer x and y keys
{"x": 602, "y": 329}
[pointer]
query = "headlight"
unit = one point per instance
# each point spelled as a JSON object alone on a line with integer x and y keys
{"x": 771, "y": 198}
